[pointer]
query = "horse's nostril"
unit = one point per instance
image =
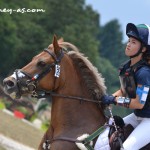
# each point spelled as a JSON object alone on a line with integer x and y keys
{"x": 9, "y": 83}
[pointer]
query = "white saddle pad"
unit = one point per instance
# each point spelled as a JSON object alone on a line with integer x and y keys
{"x": 102, "y": 142}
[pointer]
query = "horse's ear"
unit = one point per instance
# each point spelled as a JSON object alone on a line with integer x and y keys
{"x": 56, "y": 45}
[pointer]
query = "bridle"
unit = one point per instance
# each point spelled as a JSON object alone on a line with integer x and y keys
{"x": 32, "y": 81}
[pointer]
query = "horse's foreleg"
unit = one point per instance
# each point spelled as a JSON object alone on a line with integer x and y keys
{"x": 47, "y": 136}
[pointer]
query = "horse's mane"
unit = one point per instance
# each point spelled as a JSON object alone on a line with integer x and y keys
{"x": 92, "y": 80}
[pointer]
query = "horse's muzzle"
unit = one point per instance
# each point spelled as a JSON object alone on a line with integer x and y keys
{"x": 10, "y": 87}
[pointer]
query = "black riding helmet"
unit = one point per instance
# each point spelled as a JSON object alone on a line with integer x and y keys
{"x": 142, "y": 33}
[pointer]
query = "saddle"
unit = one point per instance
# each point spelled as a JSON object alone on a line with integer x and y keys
{"x": 116, "y": 138}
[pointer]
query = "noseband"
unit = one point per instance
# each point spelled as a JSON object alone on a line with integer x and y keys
{"x": 32, "y": 81}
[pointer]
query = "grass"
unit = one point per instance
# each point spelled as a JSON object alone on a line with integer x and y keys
{"x": 19, "y": 131}
{"x": 2, "y": 148}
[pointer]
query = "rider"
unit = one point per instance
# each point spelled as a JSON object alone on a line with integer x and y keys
{"x": 135, "y": 86}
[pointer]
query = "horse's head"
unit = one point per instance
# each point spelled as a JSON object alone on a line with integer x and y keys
{"x": 34, "y": 76}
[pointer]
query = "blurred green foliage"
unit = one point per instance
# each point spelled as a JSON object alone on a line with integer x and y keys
{"x": 45, "y": 125}
{"x": 2, "y": 105}
{"x": 23, "y": 35}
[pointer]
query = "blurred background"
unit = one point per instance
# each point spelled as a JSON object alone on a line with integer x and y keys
{"x": 96, "y": 27}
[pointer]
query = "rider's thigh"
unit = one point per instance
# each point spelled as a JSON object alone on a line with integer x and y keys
{"x": 131, "y": 119}
{"x": 139, "y": 137}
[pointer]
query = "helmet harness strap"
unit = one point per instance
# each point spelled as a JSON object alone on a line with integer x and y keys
{"x": 139, "y": 51}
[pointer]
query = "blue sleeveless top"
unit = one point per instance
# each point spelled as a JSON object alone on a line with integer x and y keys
{"x": 142, "y": 77}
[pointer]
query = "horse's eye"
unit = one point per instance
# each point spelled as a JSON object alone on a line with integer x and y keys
{"x": 41, "y": 64}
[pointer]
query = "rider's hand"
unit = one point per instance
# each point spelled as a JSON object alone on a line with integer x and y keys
{"x": 108, "y": 99}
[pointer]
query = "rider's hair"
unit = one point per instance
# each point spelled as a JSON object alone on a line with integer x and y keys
{"x": 146, "y": 55}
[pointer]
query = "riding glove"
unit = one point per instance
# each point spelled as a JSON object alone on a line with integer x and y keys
{"x": 108, "y": 99}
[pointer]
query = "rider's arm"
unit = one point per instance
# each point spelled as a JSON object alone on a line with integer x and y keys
{"x": 117, "y": 93}
{"x": 142, "y": 93}
{"x": 134, "y": 104}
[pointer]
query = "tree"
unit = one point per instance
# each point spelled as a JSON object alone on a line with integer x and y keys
{"x": 111, "y": 46}
{"x": 25, "y": 34}
{"x": 77, "y": 24}
{"x": 20, "y": 37}
{"x": 110, "y": 74}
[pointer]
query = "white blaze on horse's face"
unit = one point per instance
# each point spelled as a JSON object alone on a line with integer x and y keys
{"x": 20, "y": 75}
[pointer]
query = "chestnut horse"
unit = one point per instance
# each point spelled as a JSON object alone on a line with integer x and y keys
{"x": 76, "y": 88}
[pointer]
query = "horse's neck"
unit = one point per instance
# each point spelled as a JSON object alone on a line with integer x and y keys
{"x": 67, "y": 112}
{"x": 70, "y": 114}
